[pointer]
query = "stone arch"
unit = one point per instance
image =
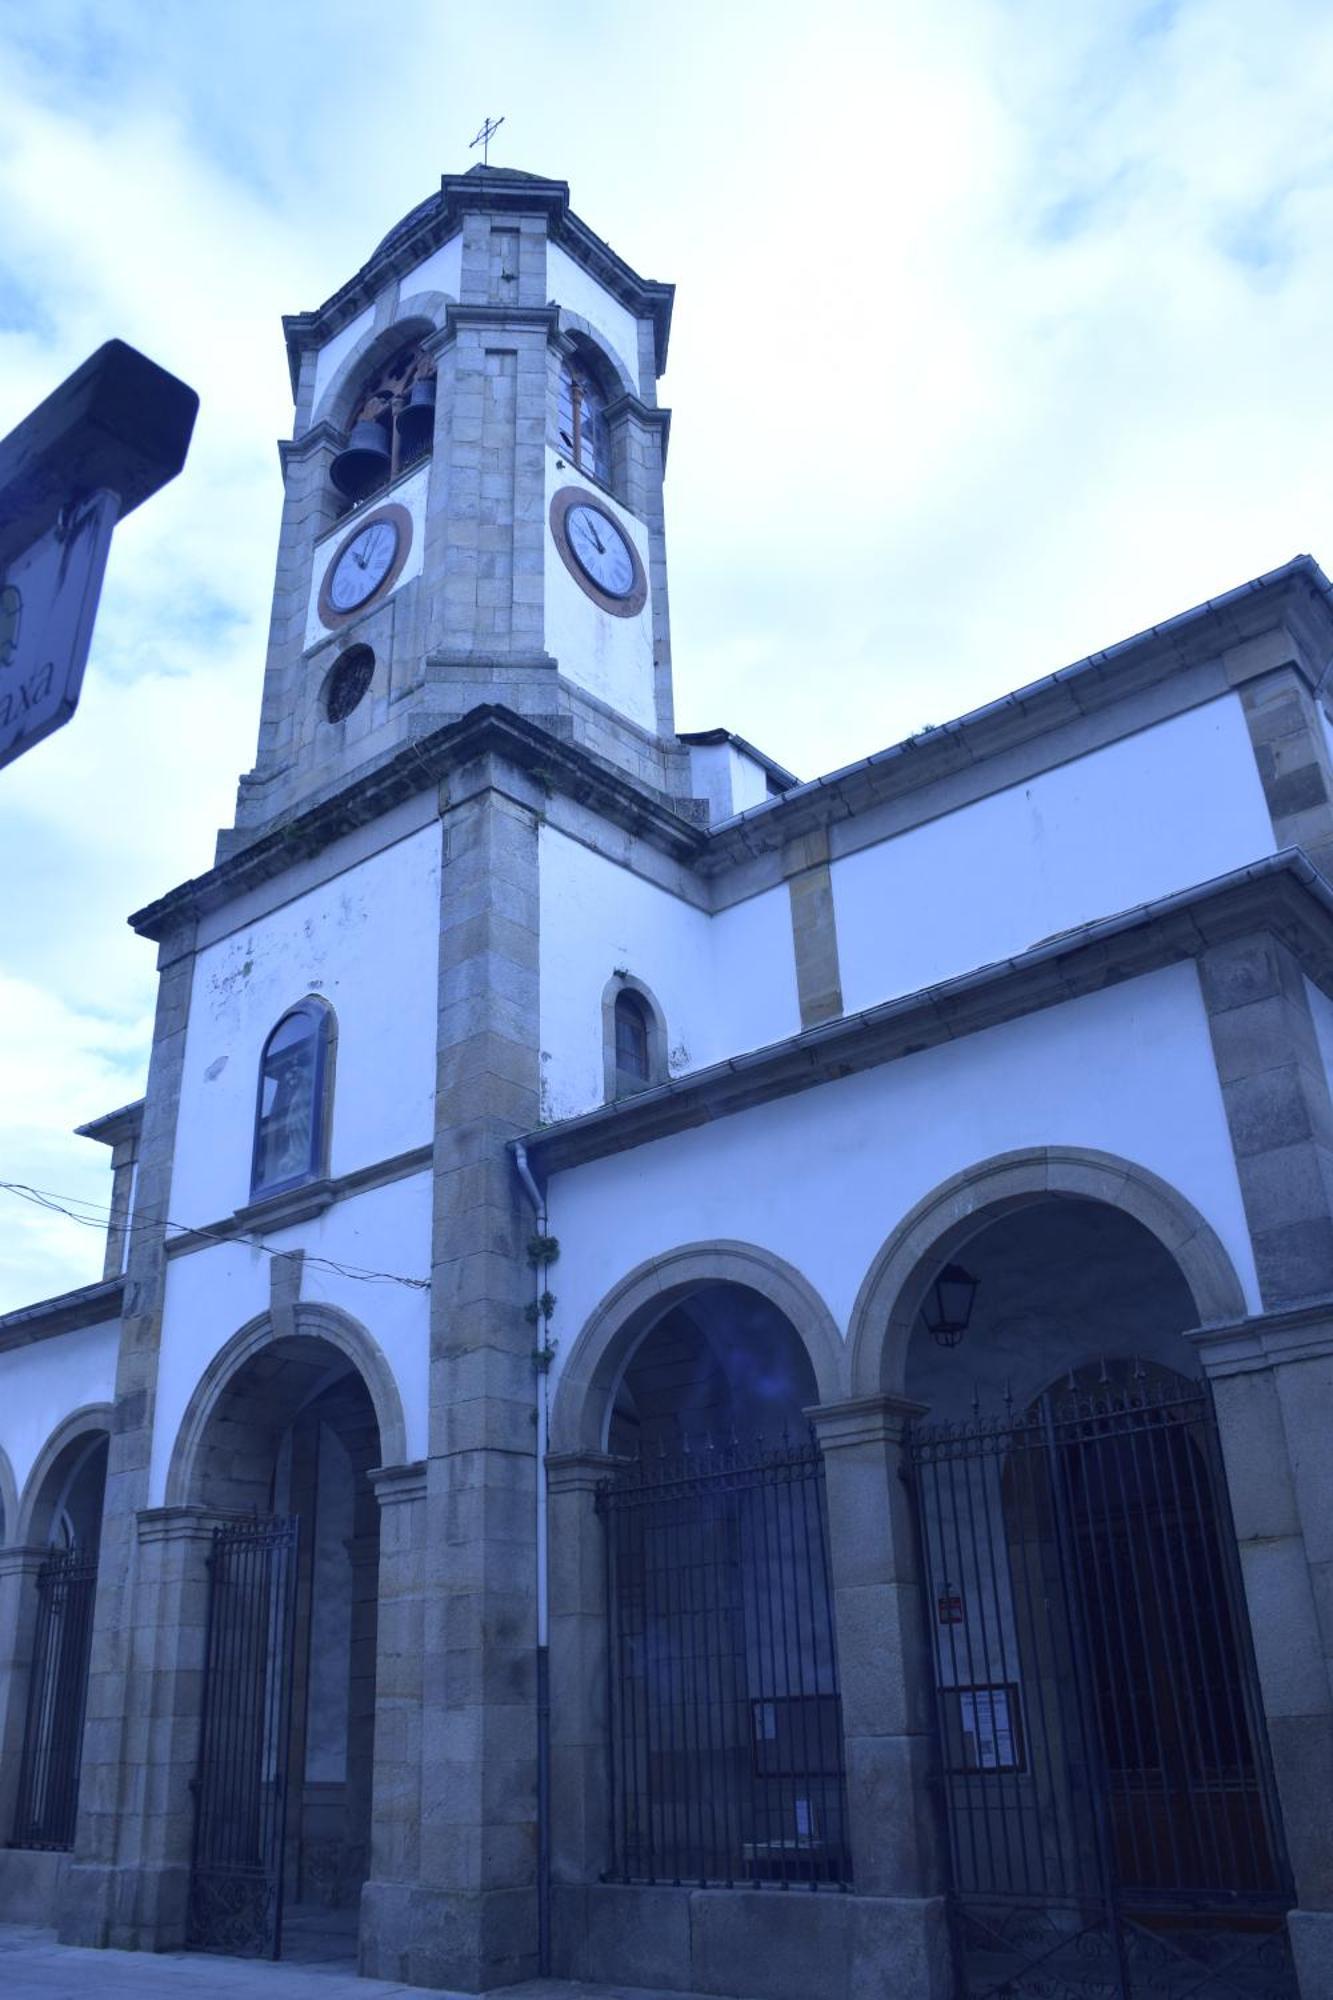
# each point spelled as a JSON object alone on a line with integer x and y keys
{"x": 583, "y": 1396}
{"x": 319, "y": 1322}
{"x": 420, "y": 316}
{"x": 32, "y": 1517}
{"x": 9, "y": 1500}
{"x": 891, "y": 1295}
{"x": 579, "y": 331}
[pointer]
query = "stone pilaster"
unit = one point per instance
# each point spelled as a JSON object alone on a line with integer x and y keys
{"x": 475, "y": 1917}
{"x": 1272, "y": 1380}
{"x": 101, "y": 1901}
{"x": 1291, "y": 752}
{"x": 1276, "y": 1096}
{"x": 883, "y": 1663}
{"x": 814, "y": 930}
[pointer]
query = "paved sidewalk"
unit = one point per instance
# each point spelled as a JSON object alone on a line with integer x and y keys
{"x": 33, "y": 1966}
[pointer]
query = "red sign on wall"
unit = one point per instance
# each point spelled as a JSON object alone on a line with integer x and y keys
{"x": 950, "y": 1608}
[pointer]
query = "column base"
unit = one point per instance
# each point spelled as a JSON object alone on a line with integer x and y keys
{"x": 1311, "y": 1934}
{"x": 465, "y": 1943}
{"x": 756, "y": 1944}
{"x": 30, "y": 1883}
{"x": 123, "y": 1909}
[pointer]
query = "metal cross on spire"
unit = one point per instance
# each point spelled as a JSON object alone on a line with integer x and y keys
{"x": 484, "y": 137}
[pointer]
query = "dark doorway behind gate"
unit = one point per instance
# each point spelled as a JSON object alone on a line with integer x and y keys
{"x": 1111, "y": 1818}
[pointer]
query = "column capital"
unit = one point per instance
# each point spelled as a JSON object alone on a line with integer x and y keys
{"x": 863, "y": 1420}
{"x": 22, "y": 1558}
{"x": 581, "y": 1471}
{"x": 189, "y": 1523}
{"x": 394, "y": 1485}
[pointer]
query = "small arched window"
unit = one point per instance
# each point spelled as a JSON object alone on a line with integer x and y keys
{"x": 634, "y": 1039}
{"x": 290, "y": 1115}
{"x": 582, "y": 421}
{"x": 392, "y": 426}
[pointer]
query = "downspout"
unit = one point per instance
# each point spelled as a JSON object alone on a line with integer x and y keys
{"x": 542, "y": 1363}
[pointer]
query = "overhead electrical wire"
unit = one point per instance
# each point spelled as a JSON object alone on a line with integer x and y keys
{"x": 98, "y": 1217}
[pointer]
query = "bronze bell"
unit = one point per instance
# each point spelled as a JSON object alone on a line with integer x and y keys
{"x": 416, "y": 419}
{"x": 363, "y": 462}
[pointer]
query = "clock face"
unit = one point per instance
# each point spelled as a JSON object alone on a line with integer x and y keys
{"x": 366, "y": 564}
{"x": 363, "y": 565}
{"x": 600, "y": 550}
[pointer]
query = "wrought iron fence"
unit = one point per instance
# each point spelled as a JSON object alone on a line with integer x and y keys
{"x": 240, "y": 1787}
{"x": 726, "y": 1723}
{"x": 48, "y": 1796}
{"x": 1111, "y": 1816}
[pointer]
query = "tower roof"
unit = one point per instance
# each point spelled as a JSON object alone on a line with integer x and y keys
{"x": 432, "y": 221}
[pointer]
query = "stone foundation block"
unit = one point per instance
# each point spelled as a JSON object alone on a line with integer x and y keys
{"x": 1311, "y": 1933}
{"x": 30, "y": 1885}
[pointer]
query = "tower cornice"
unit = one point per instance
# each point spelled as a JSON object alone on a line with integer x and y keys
{"x": 490, "y": 191}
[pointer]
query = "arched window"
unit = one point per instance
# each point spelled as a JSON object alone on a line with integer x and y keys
{"x": 290, "y": 1115}
{"x": 582, "y": 421}
{"x": 634, "y": 1039}
{"x": 392, "y": 426}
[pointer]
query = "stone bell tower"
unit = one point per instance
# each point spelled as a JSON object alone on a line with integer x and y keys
{"x": 473, "y": 506}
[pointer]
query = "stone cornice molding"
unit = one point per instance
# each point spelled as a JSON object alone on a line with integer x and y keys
{"x": 489, "y": 729}
{"x": 322, "y": 436}
{"x": 91, "y": 1305}
{"x": 582, "y": 1471}
{"x": 1301, "y": 1332}
{"x": 23, "y": 1558}
{"x": 653, "y": 416}
{"x": 498, "y": 318}
{"x": 1284, "y": 894}
{"x": 440, "y": 217}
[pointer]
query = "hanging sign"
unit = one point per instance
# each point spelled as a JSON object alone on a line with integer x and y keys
{"x": 950, "y": 1606}
{"x": 48, "y": 602}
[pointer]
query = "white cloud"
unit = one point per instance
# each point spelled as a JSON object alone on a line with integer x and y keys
{"x": 999, "y": 335}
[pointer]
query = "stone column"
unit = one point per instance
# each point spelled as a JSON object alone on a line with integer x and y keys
{"x": 883, "y": 1665}
{"x": 580, "y": 1777}
{"x": 18, "y": 1632}
{"x": 101, "y": 1901}
{"x": 167, "y": 1677}
{"x": 1273, "y": 1386}
{"x": 885, "y": 1676}
{"x": 395, "y": 1817}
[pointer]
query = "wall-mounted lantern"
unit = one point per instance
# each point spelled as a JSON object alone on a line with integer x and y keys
{"x": 948, "y": 1310}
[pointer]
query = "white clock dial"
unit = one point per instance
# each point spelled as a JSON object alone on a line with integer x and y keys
{"x": 363, "y": 565}
{"x": 601, "y": 550}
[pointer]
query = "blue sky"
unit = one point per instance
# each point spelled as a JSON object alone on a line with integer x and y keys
{"x": 1001, "y": 332}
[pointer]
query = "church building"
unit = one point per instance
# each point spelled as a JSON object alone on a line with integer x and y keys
{"x": 702, "y": 1382}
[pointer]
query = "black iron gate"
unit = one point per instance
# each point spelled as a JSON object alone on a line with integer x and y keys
{"x": 241, "y": 1784}
{"x": 726, "y": 1725}
{"x": 1112, "y": 1825}
{"x": 48, "y": 1795}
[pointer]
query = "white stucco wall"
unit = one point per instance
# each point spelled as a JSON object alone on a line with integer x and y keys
{"x": 212, "y": 1294}
{"x": 440, "y": 272}
{"x": 334, "y": 352}
{"x": 822, "y": 1178}
{"x": 1174, "y": 805}
{"x": 409, "y": 492}
{"x": 611, "y": 657}
{"x": 45, "y": 1382}
{"x": 572, "y": 287}
{"x": 724, "y": 983}
{"x": 368, "y": 943}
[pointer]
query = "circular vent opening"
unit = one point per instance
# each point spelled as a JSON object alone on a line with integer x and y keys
{"x": 347, "y": 682}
